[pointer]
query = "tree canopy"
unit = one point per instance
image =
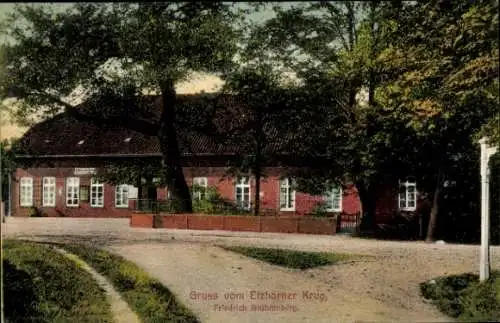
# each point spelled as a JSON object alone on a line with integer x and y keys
{"x": 430, "y": 72}
{"x": 116, "y": 52}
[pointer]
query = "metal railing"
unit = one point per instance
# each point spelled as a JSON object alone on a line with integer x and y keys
{"x": 222, "y": 207}
{"x": 173, "y": 206}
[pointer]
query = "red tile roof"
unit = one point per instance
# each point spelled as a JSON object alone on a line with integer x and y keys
{"x": 65, "y": 135}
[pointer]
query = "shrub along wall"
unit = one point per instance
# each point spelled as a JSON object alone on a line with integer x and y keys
{"x": 307, "y": 225}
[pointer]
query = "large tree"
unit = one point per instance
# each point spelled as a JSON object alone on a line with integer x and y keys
{"x": 113, "y": 53}
{"x": 256, "y": 88}
{"x": 441, "y": 80}
{"x": 331, "y": 47}
{"x": 276, "y": 116}
{"x": 420, "y": 88}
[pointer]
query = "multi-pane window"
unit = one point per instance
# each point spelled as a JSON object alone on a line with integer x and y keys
{"x": 26, "y": 191}
{"x": 407, "y": 200}
{"x": 96, "y": 193}
{"x": 200, "y": 188}
{"x": 121, "y": 195}
{"x": 72, "y": 191}
{"x": 243, "y": 193}
{"x": 287, "y": 195}
{"x": 49, "y": 191}
{"x": 333, "y": 199}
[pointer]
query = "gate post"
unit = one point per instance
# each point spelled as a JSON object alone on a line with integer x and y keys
{"x": 484, "y": 263}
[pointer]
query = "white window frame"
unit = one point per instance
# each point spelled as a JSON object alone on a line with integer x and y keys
{"x": 201, "y": 182}
{"x": 406, "y": 184}
{"x": 287, "y": 184}
{"x": 49, "y": 191}
{"x": 95, "y": 186}
{"x": 121, "y": 196}
{"x": 242, "y": 183}
{"x": 72, "y": 191}
{"x": 26, "y": 191}
{"x": 330, "y": 197}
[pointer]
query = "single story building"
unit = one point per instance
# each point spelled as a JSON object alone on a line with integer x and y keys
{"x": 60, "y": 157}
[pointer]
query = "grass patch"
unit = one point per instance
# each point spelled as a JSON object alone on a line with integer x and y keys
{"x": 290, "y": 258}
{"x": 152, "y": 301}
{"x": 464, "y": 298}
{"x": 41, "y": 285}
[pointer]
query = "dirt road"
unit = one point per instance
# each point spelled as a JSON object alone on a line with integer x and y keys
{"x": 221, "y": 286}
{"x": 382, "y": 288}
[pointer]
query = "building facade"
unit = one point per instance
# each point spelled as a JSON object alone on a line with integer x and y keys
{"x": 60, "y": 157}
{"x": 75, "y": 192}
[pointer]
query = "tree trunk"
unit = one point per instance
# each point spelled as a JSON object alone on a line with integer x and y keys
{"x": 171, "y": 156}
{"x": 351, "y": 35}
{"x": 351, "y": 24}
{"x": 431, "y": 228}
{"x": 371, "y": 72}
{"x": 420, "y": 227}
{"x": 142, "y": 192}
{"x": 258, "y": 158}
{"x": 257, "y": 175}
{"x": 368, "y": 207}
{"x": 151, "y": 190}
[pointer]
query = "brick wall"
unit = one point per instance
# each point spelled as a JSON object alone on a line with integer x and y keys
{"x": 82, "y": 210}
{"x": 269, "y": 192}
{"x": 387, "y": 203}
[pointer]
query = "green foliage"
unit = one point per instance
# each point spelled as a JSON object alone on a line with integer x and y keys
{"x": 131, "y": 171}
{"x": 439, "y": 79}
{"x": 7, "y": 166}
{"x": 491, "y": 129}
{"x": 331, "y": 47}
{"x": 41, "y": 285}
{"x": 35, "y": 212}
{"x": 148, "y": 42}
{"x": 320, "y": 210}
{"x": 290, "y": 258}
{"x": 463, "y": 297}
{"x": 418, "y": 120}
{"x": 111, "y": 55}
{"x": 423, "y": 124}
{"x": 20, "y": 299}
{"x": 213, "y": 203}
{"x": 152, "y": 301}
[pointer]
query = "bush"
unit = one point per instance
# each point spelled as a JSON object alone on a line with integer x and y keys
{"x": 35, "y": 212}
{"x": 463, "y": 297}
{"x": 290, "y": 258}
{"x": 42, "y": 285}
{"x": 152, "y": 301}
{"x": 320, "y": 210}
{"x": 213, "y": 203}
